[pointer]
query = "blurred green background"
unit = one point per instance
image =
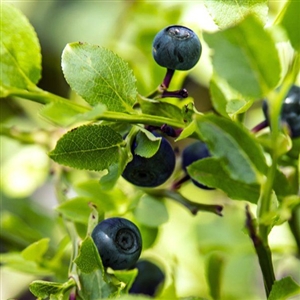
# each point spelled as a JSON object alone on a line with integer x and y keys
{"x": 185, "y": 243}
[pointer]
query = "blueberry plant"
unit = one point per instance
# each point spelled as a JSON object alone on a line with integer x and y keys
{"x": 120, "y": 159}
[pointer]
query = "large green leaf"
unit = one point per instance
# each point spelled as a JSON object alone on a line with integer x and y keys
{"x": 93, "y": 147}
{"x": 228, "y": 12}
{"x": 210, "y": 172}
{"x": 246, "y": 57}
{"x": 236, "y": 148}
{"x": 19, "y": 51}
{"x": 99, "y": 76}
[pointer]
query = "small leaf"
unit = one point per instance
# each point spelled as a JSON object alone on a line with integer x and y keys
{"x": 99, "y": 76}
{"x": 151, "y": 212}
{"x": 20, "y": 51}
{"x": 290, "y": 22}
{"x": 147, "y": 144}
{"x": 228, "y": 12}
{"x": 36, "y": 250}
{"x": 246, "y": 57}
{"x": 91, "y": 147}
{"x": 77, "y": 209}
{"x": 95, "y": 284}
{"x": 283, "y": 289}
{"x": 236, "y": 148}
{"x": 88, "y": 259}
{"x": 226, "y": 100}
{"x": 45, "y": 289}
{"x": 210, "y": 172}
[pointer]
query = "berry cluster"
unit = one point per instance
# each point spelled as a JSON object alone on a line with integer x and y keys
{"x": 118, "y": 240}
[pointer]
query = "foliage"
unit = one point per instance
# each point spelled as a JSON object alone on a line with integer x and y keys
{"x": 88, "y": 142}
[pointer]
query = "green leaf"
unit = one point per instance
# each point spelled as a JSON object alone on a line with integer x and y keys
{"x": 290, "y": 22}
{"x": 107, "y": 200}
{"x": 126, "y": 277}
{"x": 93, "y": 147}
{"x": 284, "y": 289}
{"x": 214, "y": 274}
{"x": 44, "y": 289}
{"x": 246, "y": 57}
{"x": 234, "y": 146}
{"x": 211, "y": 172}
{"x": 94, "y": 282}
{"x": 77, "y": 209}
{"x": 65, "y": 114}
{"x": 36, "y": 250}
{"x": 88, "y": 259}
{"x": 147, "y": 144}
{"x": 160, "y": 108}
{"x": 99, "y": 76}
{"x": 20, "y": 51}
{"x": 226, "y": 100}
{"x": 228, "y": 12}
{"x": 151, "y": 212}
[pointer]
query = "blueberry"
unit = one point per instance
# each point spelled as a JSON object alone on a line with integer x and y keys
{"x": 290, "y": 111}
{"x": 152, "y": 171}
{"x": 150, "y": 277}
{"x": 177, "y": 48}
{"x": 192, "y": 153}
{"x": 119, "y": 243}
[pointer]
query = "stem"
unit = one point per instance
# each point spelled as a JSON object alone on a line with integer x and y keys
{"x": 139, "y": 119}
{"x": 263, "y": 253}
{"x": 260, "y": 126}
{"x": 193, "y": 207}
{"x": 166, "y": 82}
{"x": 38, "y": 137}
{"x": 40, "y": 96}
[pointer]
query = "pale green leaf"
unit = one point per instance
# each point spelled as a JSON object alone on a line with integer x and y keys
{"x": 147, "y": 144}
{"x": 93, "y": 147}
{"x": 290, "y": 22}
{"x": 151, "y": 212}
{"x": 19, "y": 51}
{"x": 246, "y": 57}
{"x": 44, "y": 289}
{"x": 283, "y": 289}
{"x": 236, "y": 148}
{"x": 210, "y": 172}
{"x": 36, "y": 250}
{"x": 229, "y": 12}
{"x": 99, "y": 76}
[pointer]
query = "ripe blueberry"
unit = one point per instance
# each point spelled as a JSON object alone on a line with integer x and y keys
{"x": 150, "y": 277}
{"x": 119, "y": 243}
{"x": 177, "y": 48}
{"x": 152, "y": 171}
{"x": 290, "y": 111}
{"x": 192, "y": 153}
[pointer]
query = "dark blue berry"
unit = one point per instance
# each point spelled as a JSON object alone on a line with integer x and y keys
{"x": 119, "y": 243}
{"x": 177, "y": 48}
{"x": 192, "y": 153}
{"x": 150, "y": 277}
{"x": 290, "y": 111}
{"x": 152, "y": 171}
